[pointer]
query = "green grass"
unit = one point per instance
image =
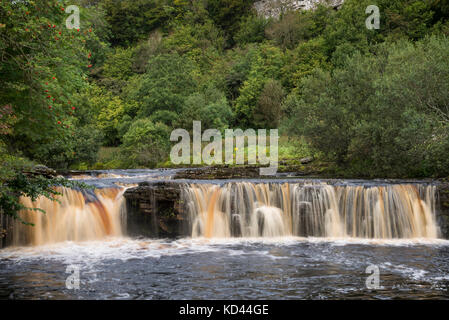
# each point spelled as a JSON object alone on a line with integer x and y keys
{"x": 290, "y": 151}
{"x": 293, "y": 149}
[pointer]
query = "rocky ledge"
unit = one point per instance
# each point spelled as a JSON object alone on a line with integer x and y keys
{"x": 302, "y": 169}
{"x": 41, "y": 170}
{"x": 154, "y": 210}
{"x": 442, "y": 208}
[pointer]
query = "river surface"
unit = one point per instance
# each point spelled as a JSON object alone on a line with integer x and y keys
{"x": 285, "y": 267}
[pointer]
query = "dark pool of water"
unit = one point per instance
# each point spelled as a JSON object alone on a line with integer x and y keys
{"x": 234, "y": 269}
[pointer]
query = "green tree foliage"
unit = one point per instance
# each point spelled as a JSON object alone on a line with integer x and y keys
{"x": 118, "y": 64}
{"x": 170, "y": 78}
{"x": 441, "y": 9}
{"x": 14, "y": 183}
{"x": 302, "y": 61}
{"x": 108, "y": 112}
{"x": 131, "y": 21}
{"x": 144, "y": 51}
{"x": 227, "y": 14}
{"x": 266, "y": 64}
{"x": 146, "y": 143}
{"x": 201, "y": 43}
{"x": 268, "y": 109}
{"x": 166, "y": 63}
{"x": 346, "y": 32}
{"x": 292, "y": 28}
{"x": 384, "y": 113}
{"x": 210, "y": 107}
{"x": 251, "y": 29}
{"x": 238, "y": 71}
{"x": 44, "y": 67}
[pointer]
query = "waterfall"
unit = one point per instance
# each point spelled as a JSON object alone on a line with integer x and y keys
{"x": 76, "y": 216}
{"x": 244, "y": 209}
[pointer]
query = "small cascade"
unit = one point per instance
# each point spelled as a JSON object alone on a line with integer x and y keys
{"x": 245, "y": 209}
{"x": 76, "y": 216}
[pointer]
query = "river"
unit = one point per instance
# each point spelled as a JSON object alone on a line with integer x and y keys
{"x": 331, "y": 259}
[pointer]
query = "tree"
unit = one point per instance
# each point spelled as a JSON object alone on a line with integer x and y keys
{"x": 133, "y": 20}
{"x": 251, "y": 29}
{"x": 268, "y": 109}
{"x": 169, "y": 79}
{"x": 302, "y": 61}
{"x": 266, "y": 64}
{"x": 210, "y": 107}
{"x": 382, "y": 114}
{"x": 228, "y": 13}
{"x": 290, "y": 29}
{"x": 146, "y": 143}
{"x": 43, "y": 67}
{"x": 107, "y": 112}
{"x": 118, "y": 64}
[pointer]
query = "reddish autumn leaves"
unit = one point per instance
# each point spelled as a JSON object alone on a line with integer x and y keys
{"x": 50, "y": 108}
{"x": 47, "y": 67}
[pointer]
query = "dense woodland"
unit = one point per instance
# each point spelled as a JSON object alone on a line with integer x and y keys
{"x": 369, "y": 103}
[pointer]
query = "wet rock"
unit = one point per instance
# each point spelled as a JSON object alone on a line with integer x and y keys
{"x": 220, "y": 172}
{"x": 306, "y": 160}
{"x": 442, "y": 208}
{"x": 42, "y": 171}
{"x": 75, "y": 173}
{"x": 6, "y": 228}
{"x": 154, "y": 209}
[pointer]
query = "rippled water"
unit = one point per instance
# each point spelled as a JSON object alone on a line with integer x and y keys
{"x": 288, "y": 268}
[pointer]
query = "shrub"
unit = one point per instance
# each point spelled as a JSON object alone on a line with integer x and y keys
{"x": 384, "y": 114}
{"x": 146, "y": 143}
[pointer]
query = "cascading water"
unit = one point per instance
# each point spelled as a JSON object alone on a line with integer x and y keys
{"x": 77, "y": 216}
{"x": 244, "y": 209}
{"x": 264, "y": 225}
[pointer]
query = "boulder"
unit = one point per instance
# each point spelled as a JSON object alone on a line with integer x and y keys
{"x": 306, "y": 160}
{"x": 41, "y": 170}
{"x": 154, "y": 210}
